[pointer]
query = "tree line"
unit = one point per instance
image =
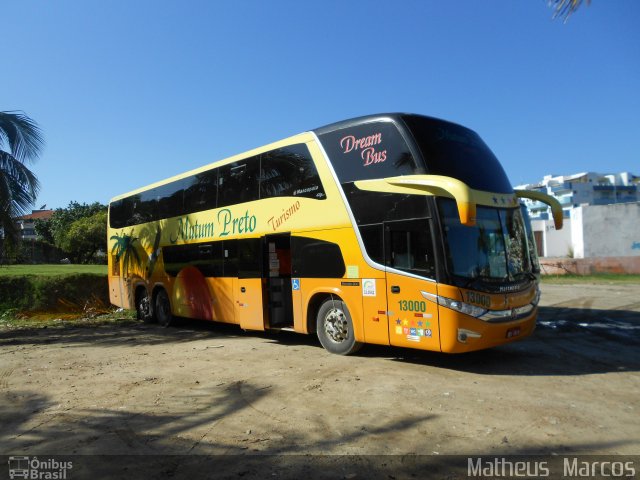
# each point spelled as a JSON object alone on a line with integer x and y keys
{"x": 76, "y": 233}
{"x": 79, "y": 231}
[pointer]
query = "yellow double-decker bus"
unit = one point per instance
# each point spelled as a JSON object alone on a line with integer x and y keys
{"x": 394, "y": 229}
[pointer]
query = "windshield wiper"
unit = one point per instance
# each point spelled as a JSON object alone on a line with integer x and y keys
{"x": 482, "y": 279}
{"x": 471, "y": 281}
{"x": 527, "y": 275}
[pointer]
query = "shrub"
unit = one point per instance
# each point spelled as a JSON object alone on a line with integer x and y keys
{"x": 30, "y": 293}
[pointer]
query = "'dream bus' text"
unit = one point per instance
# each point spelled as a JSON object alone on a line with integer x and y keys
{"x": 366, "y": 144}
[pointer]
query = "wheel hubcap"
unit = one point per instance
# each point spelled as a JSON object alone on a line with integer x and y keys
{"x": 336, "y": 325}
{"x": 143, "y": 306}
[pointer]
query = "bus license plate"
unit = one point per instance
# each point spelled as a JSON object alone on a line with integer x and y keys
{"x": 513, "y": 332}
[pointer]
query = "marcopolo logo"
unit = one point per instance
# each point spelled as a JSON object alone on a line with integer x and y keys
{"x": 34, "y": 468}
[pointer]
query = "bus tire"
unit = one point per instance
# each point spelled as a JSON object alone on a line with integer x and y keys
{"x": 163, "y": 309}
{"x": 334, "y": 328}
{"x": 143, "y": 306}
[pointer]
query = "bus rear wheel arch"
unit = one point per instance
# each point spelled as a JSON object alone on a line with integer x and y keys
{"x": 334, "y": 327}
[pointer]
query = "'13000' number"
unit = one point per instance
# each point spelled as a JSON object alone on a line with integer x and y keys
{"x": 412, "y": 306}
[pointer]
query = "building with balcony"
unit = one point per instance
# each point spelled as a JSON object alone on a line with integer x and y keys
{"x": 601, "y": 216}
{"x": 583, "y": 189}
{"x": 27, "y": 223}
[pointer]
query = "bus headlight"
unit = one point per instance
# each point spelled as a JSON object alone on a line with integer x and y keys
{"x": 456, "y": 305}
{"x": 491, "y": 316}
{"x": 462, "y": 307}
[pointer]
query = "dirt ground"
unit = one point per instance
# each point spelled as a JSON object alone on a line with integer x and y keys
{"x": 198, "y": 388}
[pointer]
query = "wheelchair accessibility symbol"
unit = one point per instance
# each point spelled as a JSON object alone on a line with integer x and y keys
{"x": 295, "y": 283}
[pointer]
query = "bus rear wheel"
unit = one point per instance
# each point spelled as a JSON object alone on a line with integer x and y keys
{"x": 143, "y": 306}
{"x": 335, "y": 328}
{"x": 163, "y": 309}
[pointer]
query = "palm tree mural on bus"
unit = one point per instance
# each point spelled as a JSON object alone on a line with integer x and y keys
{"x": 155, "y": 253}
{"x": 125, "y": 248}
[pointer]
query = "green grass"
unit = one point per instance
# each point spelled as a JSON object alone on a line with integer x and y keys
{"x": 11, "y": 320}
{"x": 50, "y": 270}
{"x": 602, "y": 278}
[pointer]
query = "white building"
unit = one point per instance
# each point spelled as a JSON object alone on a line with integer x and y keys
{"x": 592, "y": 231}
{"x": 601, "y": 215}
{"x": 582, "y": 189}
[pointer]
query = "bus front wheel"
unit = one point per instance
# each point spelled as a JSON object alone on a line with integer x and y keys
{"x": 163, "y": 309}
{"x": 335, "y": 328}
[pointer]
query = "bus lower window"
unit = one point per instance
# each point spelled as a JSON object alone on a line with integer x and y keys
{"x": 372, "y": 237}
{"x": 410, "y": 247}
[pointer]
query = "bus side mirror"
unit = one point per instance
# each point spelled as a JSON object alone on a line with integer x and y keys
{"x": 556, "y": 208}
{"x": 437, "y": 185}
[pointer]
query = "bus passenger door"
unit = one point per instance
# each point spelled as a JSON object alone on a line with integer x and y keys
{"x": 413, "y": 320}
{"x": 249, "y": 286}
{"x": 249, "y": 304}
{"x": 278, "y": 281}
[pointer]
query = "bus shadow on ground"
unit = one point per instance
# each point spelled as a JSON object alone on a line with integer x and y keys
{"x": 133, "y": 332}
{"x": 567, "y": 341}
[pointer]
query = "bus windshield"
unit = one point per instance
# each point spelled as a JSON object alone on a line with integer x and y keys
{"x": 495, "y": 249}
{"x": 455, "y": 151}
{"x": 531, "y": 241}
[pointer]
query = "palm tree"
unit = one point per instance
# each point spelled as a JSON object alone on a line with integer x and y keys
{"x": 21, "y": 142}
{"x": 564, "y": 8}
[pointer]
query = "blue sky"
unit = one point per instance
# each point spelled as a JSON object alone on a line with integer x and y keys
{"x": 130, "y": 92}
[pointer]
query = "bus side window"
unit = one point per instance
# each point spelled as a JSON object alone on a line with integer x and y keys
{"x": 372, "y": 237}
{"x": 169, "y": 199}
{"x": 200, "y": 192}
{"x": 238, "y": 182}
{"x": 230, "y": 256}
{"x": 290, "y": 172}
{"x": 249, "y": 258}
{"x": 312, "y": 258}
{"x": 144, "y": 207}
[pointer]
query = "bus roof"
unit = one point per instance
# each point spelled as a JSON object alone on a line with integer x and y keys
{"x": 301, "y": 138}
{"x": 394, "y": 117}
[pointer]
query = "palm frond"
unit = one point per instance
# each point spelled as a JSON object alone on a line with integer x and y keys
{"x": 564, "y": 8}
{"x": 22, "y": 135}
{"x": 18, "y": 185}
{"x": 20, "y": 141}
{"x": 8, "y": 225}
